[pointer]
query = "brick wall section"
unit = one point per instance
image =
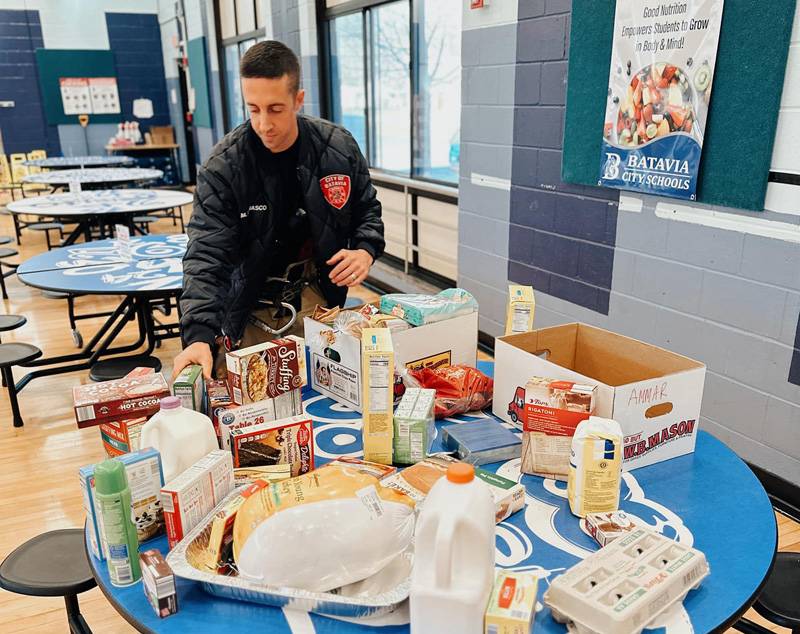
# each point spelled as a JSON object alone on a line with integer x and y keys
{"x": 24, "y": 126}
{"x": 561, "y": 236}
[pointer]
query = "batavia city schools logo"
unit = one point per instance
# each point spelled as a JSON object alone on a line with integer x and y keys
{"x": 336, "y": 189}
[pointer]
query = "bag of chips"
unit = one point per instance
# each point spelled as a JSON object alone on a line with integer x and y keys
{"x": 459, "y": 388}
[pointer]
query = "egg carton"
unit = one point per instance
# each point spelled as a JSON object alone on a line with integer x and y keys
{"x": 623, "y": 587}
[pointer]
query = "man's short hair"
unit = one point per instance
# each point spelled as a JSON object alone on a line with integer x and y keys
{"x": 271, "y": 59}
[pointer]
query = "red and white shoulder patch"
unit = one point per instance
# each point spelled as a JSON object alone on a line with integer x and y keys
{"x": 336, "y": 189}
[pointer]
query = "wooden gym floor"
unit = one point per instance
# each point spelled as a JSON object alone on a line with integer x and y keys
{"x": 39, "y": 463}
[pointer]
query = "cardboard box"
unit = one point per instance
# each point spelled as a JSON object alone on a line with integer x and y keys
{"x": 606, "y": 527}
{"x": 335, "y": 357}
{"x": 189, "y": 386}
{"x": 377, "y": 376}
{"x": 218, "y": 399}
{"x": 192, "y": 495}
{"x": 145, "y": 479}
{"x": 285, "y": 441}
{"x": 128, "y": 397}
{"x": 652, "y": 393}
{"x": 266, "y": 370}
{"x": 238, "y": 417}
{"x": 121, "y": 436}
{"x": 512, "y": 603}
{"x": 521, "y": 309}
{"x": 158, "y": 583}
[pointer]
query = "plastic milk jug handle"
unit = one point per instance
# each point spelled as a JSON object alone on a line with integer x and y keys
{"x": 443, "y": 557}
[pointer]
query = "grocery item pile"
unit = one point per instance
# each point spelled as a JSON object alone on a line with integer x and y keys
{"x": 228, "y": 469}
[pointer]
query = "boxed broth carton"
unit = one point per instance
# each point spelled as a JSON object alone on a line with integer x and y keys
{"x": 654, "y": 394}
{"x": 377, "y": 376}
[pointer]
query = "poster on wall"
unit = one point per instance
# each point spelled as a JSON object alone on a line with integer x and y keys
{"x": 659, "y": 90}
{"x": 75, "y": 97}
{"x": 104, "y": 95}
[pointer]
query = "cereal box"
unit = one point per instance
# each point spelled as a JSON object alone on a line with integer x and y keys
{"x": 377, "y": 358}
{"x": 121, "y": 398}
{"x": 552, "y": 411}
{"x": 193, "y": 494}
{"x": 270, "y": 409}
{"x": 512, "y": 603}
{"x": 286, "y": 441}
{"x": 266, "y": 370}
{"x": 121, "y": 436}
{"x": 190, "y": 387}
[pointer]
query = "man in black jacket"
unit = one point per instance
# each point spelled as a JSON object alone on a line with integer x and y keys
{"x": 280, "y": 188}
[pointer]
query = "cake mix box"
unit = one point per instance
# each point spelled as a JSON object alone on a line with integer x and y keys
{"x": 551, "y": 412}
{"x": 286, "y": 441}
{"x": 270, "y": 409}
{"x": 128, "y": 397}
{"x": 266, "y": 370}
{"x": 192, "y": 495}
{"x": 121, "y": 436}
{"x": 189, "y": 386}
{"x": 145, "y": 479}
{"x": 218, "y": 399}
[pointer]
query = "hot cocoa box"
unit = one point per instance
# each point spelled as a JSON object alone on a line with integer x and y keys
{"x": 128, "y": 397}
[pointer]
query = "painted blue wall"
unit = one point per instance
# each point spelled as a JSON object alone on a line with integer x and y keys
{"x": 24, "y": 127}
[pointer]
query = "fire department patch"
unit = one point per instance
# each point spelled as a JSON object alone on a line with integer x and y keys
{"x": 336, "y": 189}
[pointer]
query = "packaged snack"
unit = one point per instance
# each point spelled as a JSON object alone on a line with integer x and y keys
{"x": 189, "y": 386}
{"x": 606, "y": 527}
{"x": 595, "y": 467}
{"x": 270, "y": 409}
{"x": 285, "y": 441}
{"x": 192, "y": 495}
{"x": 481, "y": 442}
{"x": 414, "y": 426}
{"x": 128, "y": 397}
{"x": 377, "y": 358}
{"x": 121, "y": 436}
{"x": 512, "y": 603}
{"x": 416, "y": 481}
{"x": 551, "y": 413}
{"x": 521, "y": 309}
{"x": 325, "y": 315}
{"x": 266, "y": 370}
{"x": 395, "y": 324}
{"x": 218, "y": 399}
{"x": 623, "y": 587}
{"x": 459, "y": 388}
{"x": 419, "y": 310}
{"x": 376, "y": 469}
{"x": 158, "y": 583}
{"x": 321, "y": 530}
{"x": 268, "y": 473}
{"x": 145, "y": 479}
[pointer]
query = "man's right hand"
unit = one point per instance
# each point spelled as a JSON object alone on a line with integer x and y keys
{"x": 198, "y": 353}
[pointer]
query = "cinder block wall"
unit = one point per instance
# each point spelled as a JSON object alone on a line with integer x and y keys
{"x": 720, "y": 285}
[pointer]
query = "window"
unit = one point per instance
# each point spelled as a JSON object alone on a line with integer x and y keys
{"x": 394, "y": 75}
{"x": 240, "y": 25}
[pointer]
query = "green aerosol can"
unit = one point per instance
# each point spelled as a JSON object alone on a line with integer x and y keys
{"x": 113, "y": 496}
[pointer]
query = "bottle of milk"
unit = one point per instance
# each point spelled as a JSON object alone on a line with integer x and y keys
{"x": 454, "y": 555}
{"x": 182, "y": 436}
{"x": 595, "y": 467}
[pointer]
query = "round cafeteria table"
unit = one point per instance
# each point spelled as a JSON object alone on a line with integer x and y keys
{"x": 709, "y": 499}
{"x": 69, "y": 162}
{"x": 100, "y": 206}
{"x": 94, "y": 178}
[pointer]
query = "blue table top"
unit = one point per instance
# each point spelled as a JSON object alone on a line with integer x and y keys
{"x": 147, "y": 264}
{"x": 94, "y": 175}
{"x": 709, "y": 499}
{"x": 65, "y": 162}
{"x": 100, "y": 202}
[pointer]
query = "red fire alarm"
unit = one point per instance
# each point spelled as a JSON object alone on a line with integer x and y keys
{"x": 478, "y": 4}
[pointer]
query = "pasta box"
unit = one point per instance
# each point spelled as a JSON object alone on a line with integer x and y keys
{"x": 335, "y": 357}
{"x": 654, "y": 394}
{"x": 128, "y": 397}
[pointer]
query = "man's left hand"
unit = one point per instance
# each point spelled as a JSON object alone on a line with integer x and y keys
{"x": 351, "y": 267}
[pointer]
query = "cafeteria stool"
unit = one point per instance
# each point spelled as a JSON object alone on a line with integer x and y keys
{"x": 8, "y": 323}
{"x": 47, "y": 227}
{"x": 779, "y": 601}
{"x": 53, "y": 564}
{"x": 12, "y": 354}
{"x": 143, "y": 223}
{"x": 5, "y": 239}
{"x": 6, "y": 252}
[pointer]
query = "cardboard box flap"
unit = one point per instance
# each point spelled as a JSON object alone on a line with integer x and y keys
{"x": 556, "y": 344}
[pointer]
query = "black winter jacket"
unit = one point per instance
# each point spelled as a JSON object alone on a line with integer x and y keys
{"x": 232, "y": 228}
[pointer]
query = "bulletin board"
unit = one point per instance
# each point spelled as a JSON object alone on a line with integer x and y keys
{"x": 198, "y": 73}
{"x": 55, "y": 64}
{"x": 743, "y": 115}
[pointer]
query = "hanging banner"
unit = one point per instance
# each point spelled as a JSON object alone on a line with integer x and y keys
{"x": 75, "y": 97}
{"x": 662, "y": 66}
{"x": 104, "y": 95}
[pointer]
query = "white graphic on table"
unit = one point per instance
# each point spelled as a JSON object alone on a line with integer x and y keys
{"x": 101, "y": 202}
{"x": 94, "y": 175}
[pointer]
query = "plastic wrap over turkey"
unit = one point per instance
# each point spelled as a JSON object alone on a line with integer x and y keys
{"x": 419, "y": 310}
{"x": 459, "y": 388}
{"x": 328, "y": 528}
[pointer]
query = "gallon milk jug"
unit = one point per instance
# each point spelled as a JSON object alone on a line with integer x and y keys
{"x": 182, "y": 436}
{"x": 454, "y": 555}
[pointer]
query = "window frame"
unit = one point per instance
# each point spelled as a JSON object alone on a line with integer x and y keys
{"x": 325, "y": 17}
